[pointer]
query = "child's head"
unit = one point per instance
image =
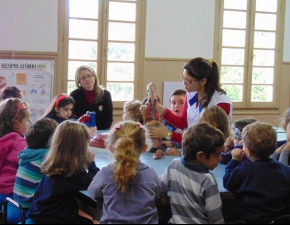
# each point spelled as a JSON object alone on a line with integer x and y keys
{"x": 285, "y": 119}
{"x": 260, "y": 138}
{"x": 62, "y": 106}
{"x": 131, "y": 111}
{"x": 204, "y": 143}
{"x": 68, "y": 150}
{"x": 39, "y": 133}
{"x": 239, "y": 126}
{"x": 10, "y": 92}
{"x": 127, "y": 141}
{"x": 217, "y": 117}
{"x": 14, "y": 116}
{"x": 176, "y": 101}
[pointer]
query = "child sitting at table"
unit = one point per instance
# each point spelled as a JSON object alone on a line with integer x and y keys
{"x": 194, "y": 195}
{"x": 60, "y": 108}
{"x": 14, "y": 121}
{"x": 236, "y": 141}
{"x": 282, "y": 153}
{"x": 263, "y": 187}
{"x": 131, "y": 111}
{"x": 128, "y": 187}
{"x": 68, "y": 168}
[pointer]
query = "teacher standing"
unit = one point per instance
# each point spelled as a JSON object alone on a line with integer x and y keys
{"x": 201, "y": 79}
{"x": 90, "y": 96}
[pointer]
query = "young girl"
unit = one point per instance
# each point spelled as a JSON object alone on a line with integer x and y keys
{"x": 14, "y": 121}
{"x": 131, "y": 111}
{"x": 127, "y": 186}
{"x": 282, "y": 153}
{"x": 60, "y": 109}
{"x": 65, "y": 175}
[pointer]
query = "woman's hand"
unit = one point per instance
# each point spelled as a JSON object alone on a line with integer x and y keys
{"x": 158, "y": 132}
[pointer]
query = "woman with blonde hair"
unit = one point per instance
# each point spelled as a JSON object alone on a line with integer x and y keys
{"x": 90, "y": 96}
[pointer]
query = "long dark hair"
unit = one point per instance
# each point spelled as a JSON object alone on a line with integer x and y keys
{"x": 200, "y": 68}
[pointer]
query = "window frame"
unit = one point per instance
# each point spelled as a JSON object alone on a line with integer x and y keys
{"x": 246, "y": 104}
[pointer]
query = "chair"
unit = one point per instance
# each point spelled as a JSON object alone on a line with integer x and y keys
{"x": 281, "y": 220}
{"x": 13, "y": 212}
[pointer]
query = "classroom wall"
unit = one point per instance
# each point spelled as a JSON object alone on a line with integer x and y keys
{"x": 32, "y": 26}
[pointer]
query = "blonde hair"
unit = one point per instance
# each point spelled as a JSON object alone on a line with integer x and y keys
{"x": 216, "y": 115}
{"x": 68, "y": 152}
{"x": 10, "y": 111}
{"x": 133, "y": 108}
{"x": 127, "y": 140}
{"x": 99, "y": 89}
{"x": 260, "y": 138}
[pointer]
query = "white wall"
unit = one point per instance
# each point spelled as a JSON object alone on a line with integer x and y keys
{"x": 286, "y": 53}
{"x": 175, "y": 28}
{"x": 29, "y": 25}
{"x": 180, "y": 28}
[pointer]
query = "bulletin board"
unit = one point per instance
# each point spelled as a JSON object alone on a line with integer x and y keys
{"x": 33, "y": 77}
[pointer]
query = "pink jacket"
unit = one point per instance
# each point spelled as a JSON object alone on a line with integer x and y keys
{"x": 10, "y": 145}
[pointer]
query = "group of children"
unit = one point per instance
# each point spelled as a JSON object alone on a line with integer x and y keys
{"x": 45, "y": 165}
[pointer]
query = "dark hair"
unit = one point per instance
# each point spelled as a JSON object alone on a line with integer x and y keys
{"x": 178, "y": 92}
{"x": 200, "y": 68}
{"x": 241, "y": 123}
{"x": 38, "y": 135}
{"x": 10, "y": 92}
{"x": 201, "y": 137}
{"x": 59, "y": 101}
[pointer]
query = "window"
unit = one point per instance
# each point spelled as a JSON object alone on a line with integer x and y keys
{"x": 105, "y": 34}
{"x": 250, "y": 57}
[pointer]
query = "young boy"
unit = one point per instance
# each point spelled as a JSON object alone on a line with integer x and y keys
{"x": 261, "y": 187}
{"x": 193, "y": 189}
{"x": 176, "y": 103}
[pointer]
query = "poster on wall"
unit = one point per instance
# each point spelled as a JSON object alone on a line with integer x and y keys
{"x": 33, "y": 77}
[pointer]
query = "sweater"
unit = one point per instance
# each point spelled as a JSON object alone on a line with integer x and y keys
{"x": 262, "y": 189}
{"x": 54, "y": 200}
{"x": 103, "y": 109}
{"x": 28, "y": 175}
{"x": 10, "y": 145}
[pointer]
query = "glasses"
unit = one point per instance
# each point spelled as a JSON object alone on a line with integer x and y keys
{"x": 88, "y": 77}
{"x": 187, "y": 82}
{"x": 20, "y": 106}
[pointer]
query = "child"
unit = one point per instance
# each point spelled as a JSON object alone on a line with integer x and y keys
{"x": 10, "y": 92}
{"x": 14, "y": 121}
{"x": 176, "y": 103}
{"x": 29, "y": 173}
{"x": 65, "y": 175}
{"x": 282, "y": 152}
{"x": 60, "y": 109}
{"x": 127, "y": 186}
{"x": 131, "y": 111}
{"x": 261, "y": 187}
{"x": 236, "y": 141}
{"x": 195, "y": 197}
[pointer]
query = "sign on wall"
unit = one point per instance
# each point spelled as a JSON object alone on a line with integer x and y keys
{"x": 33, "y": 77}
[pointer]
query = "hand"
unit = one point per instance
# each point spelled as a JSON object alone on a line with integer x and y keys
{"x": 279, "y": 150}
{"x": 158, "y": 132}
{"x": 229, "y": 143}
{"x": 237, "y": 154}
{"x": 91, "y": 156}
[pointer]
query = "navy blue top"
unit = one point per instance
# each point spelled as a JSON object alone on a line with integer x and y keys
{"x": 262, "y": 189}
{"x": 54, "y": 199}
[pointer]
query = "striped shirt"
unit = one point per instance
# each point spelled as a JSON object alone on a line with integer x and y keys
{"x": 194, "y": 195}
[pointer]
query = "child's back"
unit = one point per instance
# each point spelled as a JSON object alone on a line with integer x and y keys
{"x": 128, "y": 187}
{"x": 262, "y": 187}
{"x": 29, "y": 173}
{"x": 194, "y": 196}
